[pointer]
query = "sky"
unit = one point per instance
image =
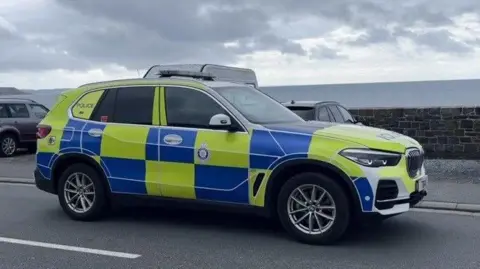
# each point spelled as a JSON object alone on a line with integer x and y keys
{"x": 66, "y": 43}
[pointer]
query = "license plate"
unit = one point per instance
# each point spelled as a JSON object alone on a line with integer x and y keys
{"x": 422, "y": 183}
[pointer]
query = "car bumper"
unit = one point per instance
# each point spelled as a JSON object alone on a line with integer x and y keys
{"x": 403, "y": 200}
{"x": 43, "y": 183}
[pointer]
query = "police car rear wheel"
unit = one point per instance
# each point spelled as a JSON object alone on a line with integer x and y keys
{"x": 81, "y": 193}
{"x": 313, "y": 209}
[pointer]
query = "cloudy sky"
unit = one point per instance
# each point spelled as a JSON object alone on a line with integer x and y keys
{"x": 65, "y": 43}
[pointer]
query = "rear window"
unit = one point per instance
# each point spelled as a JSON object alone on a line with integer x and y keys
{"x": 307, "y": 113}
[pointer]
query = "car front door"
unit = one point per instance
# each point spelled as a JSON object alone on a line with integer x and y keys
{"x": 198, "y": 161}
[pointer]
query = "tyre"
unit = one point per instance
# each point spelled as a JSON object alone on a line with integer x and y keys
{"x": 8, "y": 145}
{"x": 82, "y": 193}
{"x": 313, "y": 209}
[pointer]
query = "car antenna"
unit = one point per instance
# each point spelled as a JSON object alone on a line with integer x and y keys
{"x": 292, "y": 102}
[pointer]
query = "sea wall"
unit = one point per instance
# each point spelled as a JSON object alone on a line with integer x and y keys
{"x": 444, "y": 132}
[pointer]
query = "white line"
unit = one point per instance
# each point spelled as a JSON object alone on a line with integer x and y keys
{"x": 70, "y": 248}
{"x": 16, "y": 179}
{"x": 21, "y": 184}
{"x": 449, "y": 212}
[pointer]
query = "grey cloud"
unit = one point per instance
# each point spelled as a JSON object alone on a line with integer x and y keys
{"x": 327, "y": 53}
{"x": 268, "y": 42}
{"x": 436, "y": 40}
{"x": 140, "y": 33}
{"x": 441, "y": 41}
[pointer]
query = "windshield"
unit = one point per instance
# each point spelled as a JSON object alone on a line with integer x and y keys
{"x": 256, "y": 106}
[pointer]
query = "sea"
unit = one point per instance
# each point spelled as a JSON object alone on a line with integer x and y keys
{"x": 439, "y": 93}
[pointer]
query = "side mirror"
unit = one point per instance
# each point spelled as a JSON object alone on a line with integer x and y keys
{"x": 220, "y": 121}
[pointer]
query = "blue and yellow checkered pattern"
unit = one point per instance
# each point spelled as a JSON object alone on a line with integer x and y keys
{"x": 138, "y": 159}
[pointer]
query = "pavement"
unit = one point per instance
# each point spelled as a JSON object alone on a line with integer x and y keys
{"x": 36, "y": 234}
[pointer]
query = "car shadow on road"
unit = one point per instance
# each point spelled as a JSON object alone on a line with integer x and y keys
{"x": 395, "y": 231}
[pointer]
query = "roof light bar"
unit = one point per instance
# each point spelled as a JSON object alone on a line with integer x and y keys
{"x": 190, "y": 74}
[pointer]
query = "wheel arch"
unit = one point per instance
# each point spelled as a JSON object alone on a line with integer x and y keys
{"x": 10, "y": 130}
{"x": 286, "y": 170}
{"x": 63, "y": 162}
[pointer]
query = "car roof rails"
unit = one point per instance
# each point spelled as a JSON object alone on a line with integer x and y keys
{"x": 221, "y": 72}
{"x": 189, "y": 74}
{"x": 17, "y": 98}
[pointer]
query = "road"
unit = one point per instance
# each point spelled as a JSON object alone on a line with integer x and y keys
{"x": 188, "y": 239}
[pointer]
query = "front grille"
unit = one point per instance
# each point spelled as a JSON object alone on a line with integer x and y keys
{"x": 387, "y": 190}
{"x": 414, "y": 161}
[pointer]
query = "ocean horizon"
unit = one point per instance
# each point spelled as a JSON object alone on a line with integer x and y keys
{"x": 438, "y": 93}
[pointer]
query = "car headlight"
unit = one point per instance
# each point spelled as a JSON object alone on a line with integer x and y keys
{"x": 371, "y": 158}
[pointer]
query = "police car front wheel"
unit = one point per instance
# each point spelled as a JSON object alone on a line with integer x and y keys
{"x": 313, "y": 208}
{"x": 81, "y": 193}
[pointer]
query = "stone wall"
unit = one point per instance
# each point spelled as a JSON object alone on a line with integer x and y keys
{"x": 444, "y": 132}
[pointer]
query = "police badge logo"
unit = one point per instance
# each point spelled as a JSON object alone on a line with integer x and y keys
{"x": 203, "y": 153}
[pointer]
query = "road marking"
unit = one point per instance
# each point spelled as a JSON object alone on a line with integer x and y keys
{"x": 449, "y": 212}
{"x": 21, "y": 184}
{"x": 70, "y": 248}
{"x": 17, "y": 180}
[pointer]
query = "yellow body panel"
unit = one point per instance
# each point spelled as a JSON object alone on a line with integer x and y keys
{"x": 178, "y": 180}
{"x": 124, "y": 141}
{"x": 226, "y": 149}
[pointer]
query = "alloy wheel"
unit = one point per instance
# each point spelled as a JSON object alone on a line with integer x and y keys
{"x": 79, "y": 192}
{"x": 311, "y": 209}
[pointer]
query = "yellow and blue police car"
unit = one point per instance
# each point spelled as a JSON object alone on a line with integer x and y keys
{"x": 184, "y": 136}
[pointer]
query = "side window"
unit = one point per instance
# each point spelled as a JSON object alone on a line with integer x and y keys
{"x": 38, "y": 110}
{"x": 323, "y": 114}
{"x": 3, "y": 111}
{"x": 105, "y": 107}
{"x": 346, "y": 115}
{"x": 190, "y": 108}
{"x": 134, "y": 105}
{"x": 336, "y": 114}
{"x": 18, "y": 111}
{"x": 83, "y": 109}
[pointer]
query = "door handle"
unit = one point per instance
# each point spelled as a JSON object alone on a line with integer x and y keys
{"x": 95, "y": 132}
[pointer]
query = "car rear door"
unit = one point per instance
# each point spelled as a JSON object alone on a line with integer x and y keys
{"x": 337, "y": 115}
{"x": 22, "y": 120}
{"x": 122, "y": 134}
{"x": 323, "y": 114}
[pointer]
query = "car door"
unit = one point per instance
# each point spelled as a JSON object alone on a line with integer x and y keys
{"x": 323, "y": 114}
{"x": 20, "y": 118}
{"x": 197, "y": 161}
{"x": 119, "y": 134}
{"x": 346, "y": 115}
{"x": 337, "y": 116}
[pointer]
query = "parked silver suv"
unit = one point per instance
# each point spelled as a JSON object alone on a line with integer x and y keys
{"x": 18, "y": 124}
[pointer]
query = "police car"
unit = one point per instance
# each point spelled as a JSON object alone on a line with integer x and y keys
{"x": 186, "y": 137}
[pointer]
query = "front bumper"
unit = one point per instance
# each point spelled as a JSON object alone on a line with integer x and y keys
{"x": 393, "y": 197}
{"x": 43, "y": 183}
{"x": 412, "y": 201}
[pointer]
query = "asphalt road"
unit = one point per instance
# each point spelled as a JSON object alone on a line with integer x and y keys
{"x": 188, "y": 239}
